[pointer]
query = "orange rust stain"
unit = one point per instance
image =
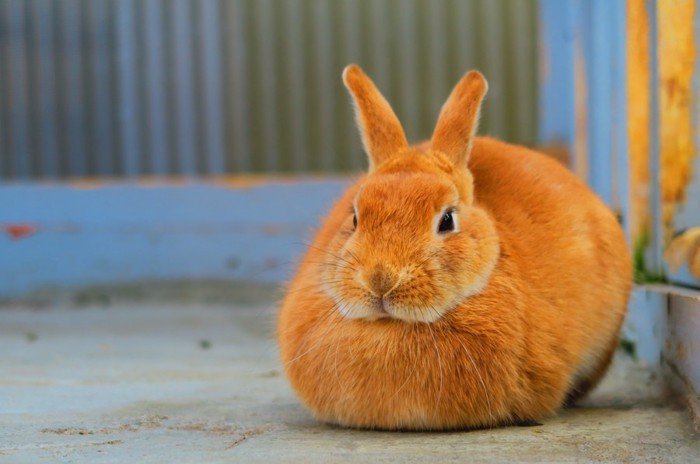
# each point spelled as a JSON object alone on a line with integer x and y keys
{"x": 677, "y": 63}
{"x": 638, "y": 116}
{"x": 249, "y": 181}
{"x": 18, "y": 231}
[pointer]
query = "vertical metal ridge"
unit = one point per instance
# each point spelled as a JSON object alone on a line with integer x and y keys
{"x": 436, "y": 56}
{"x": 99, "y": 47}
{"x": 464, "y": 19}
{"x": 211, "y": 68}
{"x": 351, "y": 44}
{"x": 73, "y": 86}
{"x": 184, "y": 86}
{"x": 268, "y": 75}
{"x": 237, "y": 71}
{"x": 327, "y": 105}
{"x": 297, "y": 88}
{"x": 44, "y": 88}
{"x": 520, "y": 42}
{"x": 380, "y": 43}
{"x": 18, "y": 92}
{"x": 156, "y": 115}
{"x": 407, "y": 105}
{"x": 4, "y": 103}
{"x": 126, "y": 88}
{"x": 493, "y": 65}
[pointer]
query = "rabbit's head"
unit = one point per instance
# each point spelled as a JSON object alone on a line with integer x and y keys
{"x": 414, "y": 243}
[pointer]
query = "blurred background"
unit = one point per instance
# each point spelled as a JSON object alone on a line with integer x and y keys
{"x": 187, "y": 140}
{"x": 182, "y": 87}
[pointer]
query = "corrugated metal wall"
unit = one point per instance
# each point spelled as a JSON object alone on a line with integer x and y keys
{"x": 162, "y": 87}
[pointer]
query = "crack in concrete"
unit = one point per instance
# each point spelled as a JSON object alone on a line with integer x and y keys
{"x": 61, "y": 446}
{"x": 144, "y": 423}
{"x": 248, "y": 433}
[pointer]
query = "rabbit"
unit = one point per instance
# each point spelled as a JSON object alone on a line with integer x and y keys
{"x": 460, "y": 283}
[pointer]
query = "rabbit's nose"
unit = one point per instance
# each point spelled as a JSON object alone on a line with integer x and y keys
{"x": 380, "y": 280}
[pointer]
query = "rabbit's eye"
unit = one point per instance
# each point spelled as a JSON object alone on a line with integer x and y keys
{"x": 354, "y": 221}
{"x": 447, "y": 223}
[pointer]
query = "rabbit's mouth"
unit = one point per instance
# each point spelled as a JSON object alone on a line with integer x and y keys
{"x": 382, "y": 307}
{"x": 371, "y": 310}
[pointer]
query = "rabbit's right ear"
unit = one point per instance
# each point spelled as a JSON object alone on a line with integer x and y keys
{"x": 459, "y": 118}
{"x": 381, "y": 131}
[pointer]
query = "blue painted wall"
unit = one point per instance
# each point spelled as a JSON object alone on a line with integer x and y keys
{"x": 126, "y": 233}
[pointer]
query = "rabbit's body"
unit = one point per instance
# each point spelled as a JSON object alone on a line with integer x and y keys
{"x": 492, "y": 322}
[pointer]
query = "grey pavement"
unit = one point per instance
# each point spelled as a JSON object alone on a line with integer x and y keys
{"x": 156, "y": 381}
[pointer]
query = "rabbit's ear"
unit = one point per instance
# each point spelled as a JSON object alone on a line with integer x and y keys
{"x": 459, "y": 118}
{"x": 381, "y": 131}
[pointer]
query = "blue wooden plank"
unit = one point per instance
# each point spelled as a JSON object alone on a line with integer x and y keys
{"x": 184, "y": 87}
{"x": 44, "y": 65}
{"x": 655, "y": 251}
{"x": 124, "y": 233}
{"x": 155, "y": 78}
{"x": 209, "y": 18}
{"x": 596, "y": 29}
{"x": 621, "y": 199}
{"x": 99, "y": 49}
{"x": 646, "y": 324}
{"x": 17, "y": 95}
{"x": 128, "y": 114}
{"x": 556, "y": 101}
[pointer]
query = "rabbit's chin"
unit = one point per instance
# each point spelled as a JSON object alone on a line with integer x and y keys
{"x": 373, "y": 309}
{"x": 373, "y": 312}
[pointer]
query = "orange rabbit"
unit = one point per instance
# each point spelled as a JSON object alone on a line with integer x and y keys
{"x": 461, "y": 283}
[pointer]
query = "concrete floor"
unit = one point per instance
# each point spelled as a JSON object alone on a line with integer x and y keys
{"x": 164, "y": 382}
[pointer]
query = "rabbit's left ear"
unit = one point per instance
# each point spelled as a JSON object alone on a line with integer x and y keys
{"x": 382, "y": 134}
{"x": 459, "y": 119}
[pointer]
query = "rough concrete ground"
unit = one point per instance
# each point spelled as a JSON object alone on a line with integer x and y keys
{"x": 99, "y": 380}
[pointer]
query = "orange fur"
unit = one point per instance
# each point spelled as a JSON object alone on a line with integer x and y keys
{"x": 395, "y": 325}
